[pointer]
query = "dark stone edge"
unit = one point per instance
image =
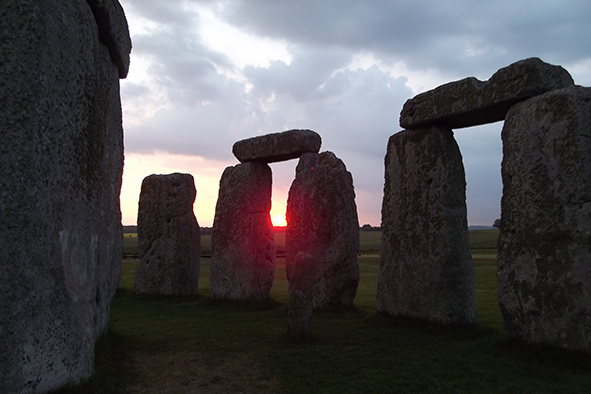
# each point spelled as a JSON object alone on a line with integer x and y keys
{"x": 113, "y": 31}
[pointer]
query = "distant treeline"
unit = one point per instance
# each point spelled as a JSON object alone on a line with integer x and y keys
{"x": 367, "y": 227}
{"x": 133, "y": 230}
{"x": 207, "y": 230}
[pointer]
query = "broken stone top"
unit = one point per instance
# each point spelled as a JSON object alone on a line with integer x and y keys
{"x": 168, "y": 195}
{"x": 470, "y": 102}
{"x": 276, "y": 147}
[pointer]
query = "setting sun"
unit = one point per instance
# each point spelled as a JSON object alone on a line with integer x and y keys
{"x": 279, "y": 220}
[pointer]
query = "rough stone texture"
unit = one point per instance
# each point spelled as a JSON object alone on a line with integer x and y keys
{"x": 426, "y": 270}
{"x": 470, "y": 102}
{"x": 169, "y": 236}
{"x": 322, "y": 223}
{"x": 61, "y": 161}
{"x": 544, "y": 261}
{"x": 113, "y": 31}
{"x": 299, "y": 312}
{"x": 276, "y": 147}
{"x": 242, "y": 243}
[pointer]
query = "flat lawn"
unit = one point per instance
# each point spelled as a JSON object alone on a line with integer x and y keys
{"x": 484, "y": 239}
{"x": 199, "y": 345}
{"x": 369, "y": 241}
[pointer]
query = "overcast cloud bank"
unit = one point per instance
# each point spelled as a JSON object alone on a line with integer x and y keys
{"x": 205, "y": 74}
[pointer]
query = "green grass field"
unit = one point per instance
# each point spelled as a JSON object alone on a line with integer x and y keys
{"x": 369, "y": 241}
{"x": 199, "y": 345}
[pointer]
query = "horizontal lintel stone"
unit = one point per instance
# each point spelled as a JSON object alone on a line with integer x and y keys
{"x": 470, "y": 102}
{"x": 271, "y": 148}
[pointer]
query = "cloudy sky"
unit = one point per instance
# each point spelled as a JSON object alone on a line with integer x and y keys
{"x": 205, "y": 74}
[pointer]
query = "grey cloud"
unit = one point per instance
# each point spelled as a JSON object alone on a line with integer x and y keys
{"x": 308, "y": 70}
{"x": 355, "y": 111}
{"x": 458, "y": 37}
{"x": 130, "y": 90}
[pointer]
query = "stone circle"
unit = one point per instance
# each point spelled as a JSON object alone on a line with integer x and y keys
{"x": 470, "y": 102}
{"x": 62, "y": 160}
{"x": 426, "y": 270}
{"x": 322, "y": 224}
{"x": 169, "y": 236}
{"x": 243, "y": 248}
{"x": 274, "y": 147}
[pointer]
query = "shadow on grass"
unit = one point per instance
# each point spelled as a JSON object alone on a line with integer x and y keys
{"x": 113, "y": 367}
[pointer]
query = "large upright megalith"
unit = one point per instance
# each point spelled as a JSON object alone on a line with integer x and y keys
{"x": 169, "y": 236}
{"x": 544, "y": 260}
{"x": 426, "y": 270}
{"x": 323, "y": 225}
{"x": 242, "y": 242}
{"x": 303, "y": 274}
{"x": 61, "y": 161}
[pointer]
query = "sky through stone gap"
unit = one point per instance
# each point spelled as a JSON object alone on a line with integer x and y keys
{"x": 205, "y": 74}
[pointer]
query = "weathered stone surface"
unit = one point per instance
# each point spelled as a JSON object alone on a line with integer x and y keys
{"x": 169, "y": 236}
{"x": 61, "y": 161}
{"x": 242, "y": 243}
{"x": 113, "y": 31}
{"x": 426, "y": 270}
{"x": 470, "y": 102}
{"x": 276, "y": 147}
{"x": 544, "y": 261}
{"x": 322, "y": 223}
{"x": 299, "y": 312}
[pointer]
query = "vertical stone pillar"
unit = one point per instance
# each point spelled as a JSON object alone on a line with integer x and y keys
{"x": 242, "y": 243}
{"x": 303, "y": 274}
{"x": 322, "y": 223}
{"x": 61, "y": 161}
{"x": 169, "y": 236}
{"x": 544, "y": 260}
{"x": 426, "y": 270}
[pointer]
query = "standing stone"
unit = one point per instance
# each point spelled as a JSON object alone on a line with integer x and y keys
{"x": 242, "y": 242}
{"x": 301, "y": 296}
{"x": 470, "y": 102}
{"x": 61, "y": 162}
{"x": 276, "y": 147}
{"x": 426, "y": 270}
{"x": 169, "y": 236}
{"x": 544, "y": 260}
{"x": 322, "y": 223}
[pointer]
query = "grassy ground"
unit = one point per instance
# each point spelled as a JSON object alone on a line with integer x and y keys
{"x": 369, "y": 241}
{"x": 198, "y": 345}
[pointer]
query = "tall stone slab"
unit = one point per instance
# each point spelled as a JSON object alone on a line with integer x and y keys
{"x": 426, "y": 270}
{"x": 242, "y": 243}
{"x": 61, "y": 161}
{"x": 169, "y": 236}
{"x": 323, "y": 225}
{"x": 303, "y": 274}
{"x": 544, "y": 260}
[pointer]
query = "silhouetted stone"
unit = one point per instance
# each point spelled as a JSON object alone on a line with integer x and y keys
{"x": 242, "y": 242}
{"x": 275, "y": 147}
{"x": 304, "y": 272}
{"x": 169, "y": 236}
{"x": 61, "y": 160}
{"x": 544, "y": 260}
{"x": 322, "y": 223}
{"x": 470, "y": 102}
{"x": 426, "y": 271}
{"x": 113, "y": 31}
